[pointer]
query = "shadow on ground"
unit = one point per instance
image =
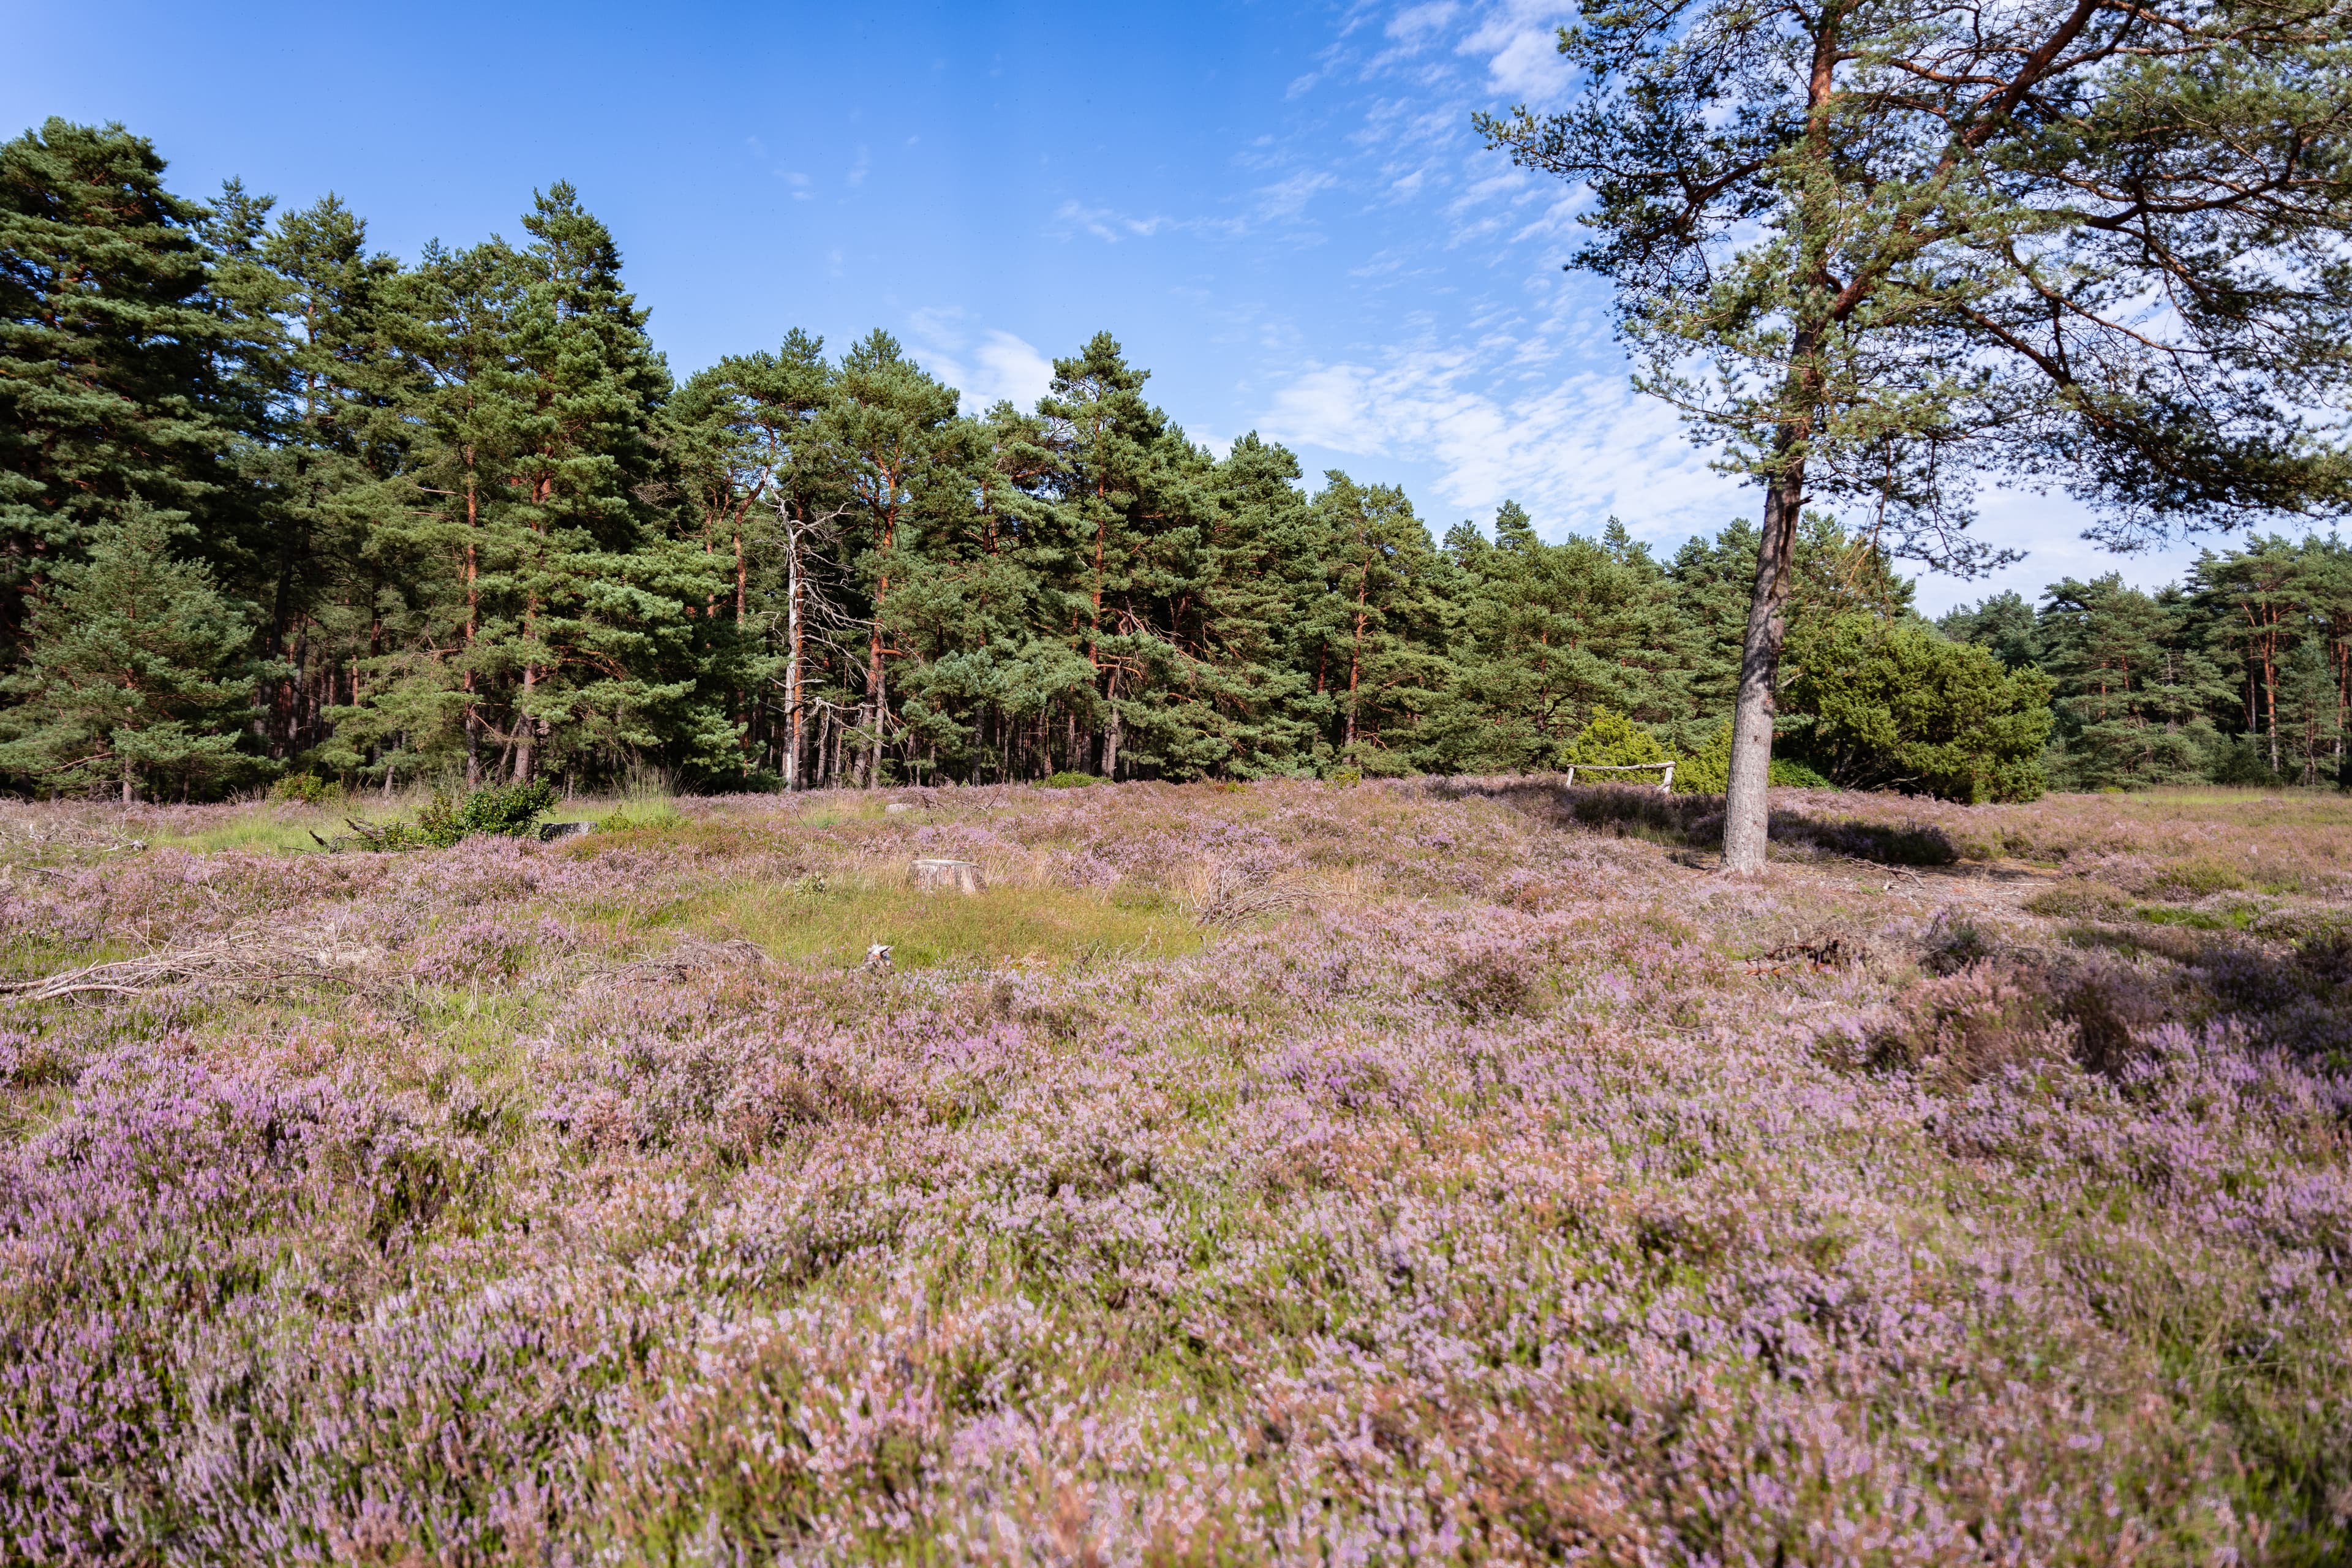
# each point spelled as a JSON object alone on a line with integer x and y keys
{"x": 1696, "y": 821}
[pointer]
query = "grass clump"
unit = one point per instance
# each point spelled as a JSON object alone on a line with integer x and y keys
{"x": 643, "y": 817}
{"x": 831, "y": 923}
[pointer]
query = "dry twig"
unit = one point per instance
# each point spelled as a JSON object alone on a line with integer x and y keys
{"x": 241, "y": 959}
{"x": 1239, "y": 893}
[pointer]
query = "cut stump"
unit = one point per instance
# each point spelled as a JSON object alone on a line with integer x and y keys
{"x": 937, "y": 874}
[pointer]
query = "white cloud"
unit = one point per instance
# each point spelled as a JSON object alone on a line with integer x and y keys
{"x": 1107, "y": 225}
{"x": 1520, "y": 41}
{"x": 1289, "y": 199}
{"x": 1572, "y": 450}
{"x": 984, "y": 365}
{"x": 1283, "y": 202}
{"x": 1415, "y": 22}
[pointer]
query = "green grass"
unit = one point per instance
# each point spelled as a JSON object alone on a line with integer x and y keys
{"x": 2236, "y": 919}
{"x": 832, "y": 924}
{"x": 266, "y": 830}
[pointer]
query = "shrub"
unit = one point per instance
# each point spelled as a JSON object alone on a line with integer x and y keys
{"x": 1794, "y": 772}
{"x": 1612, "y": 741}
{"x": 1709, "y": 771}
{"x": 1065, "y": 779}
{"x": 1897, "y": 706}
{"x": 306, "y": 789}
{"x": 512, "y": 810}
{"x": 1969, "y": 1026}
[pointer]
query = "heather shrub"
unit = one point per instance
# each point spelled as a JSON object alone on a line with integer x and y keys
{"x": 2080, "y": 900}
{"x": 1908, "y": 844}
{"x": 1482, "y": 1184}
{"x": 1974, "y": 1023}
{"x": 1952, "y": 942}
{"x": 1490, "y": 983}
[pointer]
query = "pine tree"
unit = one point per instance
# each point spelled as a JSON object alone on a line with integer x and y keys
{"x": 1871, "y": 251}
{"x": 311, "y": 306}
{"x": 1385, "y": 625}
{"x": 892, "y": 439}
{"x": 2131, "y": 691}
{"x": 136, "y": 671}
{"x": 2002, "y": 625}
{"x": 109, "y": 391}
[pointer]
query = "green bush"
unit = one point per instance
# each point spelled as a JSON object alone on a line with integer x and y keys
{"x": 511, "y": 810}
{"x": 1612, "y": 741}
{"x": 1068, "y": 779}
{"x": 307, "y": 789}
{"x": 1898, "y": 706}
{"x": 1795, "y": 772}
{"x": 1709, "y": 771}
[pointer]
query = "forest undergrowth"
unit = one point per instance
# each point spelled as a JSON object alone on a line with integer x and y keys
{"x": 1415, "y": 1170}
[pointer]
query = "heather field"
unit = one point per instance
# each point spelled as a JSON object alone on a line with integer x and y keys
{"x": 1411, "y": 1171}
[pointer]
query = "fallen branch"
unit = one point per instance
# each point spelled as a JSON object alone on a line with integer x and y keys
{"x": 1236, "y": 894}
{"x": 238, "y": 960}
{"x": 1830, "y": 953}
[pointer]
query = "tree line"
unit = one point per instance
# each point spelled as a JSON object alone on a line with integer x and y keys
{"x": 2242, "y": 674}
{"x": 276, "y": 506}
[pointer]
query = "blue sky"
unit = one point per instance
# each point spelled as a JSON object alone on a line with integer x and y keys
{"x": 1280, "y": 211}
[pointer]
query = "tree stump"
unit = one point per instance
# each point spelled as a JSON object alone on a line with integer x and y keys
{"x": 937, "y": 874}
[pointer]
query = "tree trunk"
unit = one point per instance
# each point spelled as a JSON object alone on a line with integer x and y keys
{"x": 792, "y": 715}
{"x": 1746, "y": 816}
{"x": 1111, "y": 731}
{"x": 526, "y": 750}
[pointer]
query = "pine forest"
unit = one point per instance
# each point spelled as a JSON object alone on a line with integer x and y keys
{"x": 280, "y": 509}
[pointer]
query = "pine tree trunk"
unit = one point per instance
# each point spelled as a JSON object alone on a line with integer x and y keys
{"x": 1746, "y": 813}
{"x": 526, "y": 750}
{"x": 473, "y": 627}
{"x": 1747, "y": 820}
{"x": 1111, "y": 732}
{"x": 792, "y": 715}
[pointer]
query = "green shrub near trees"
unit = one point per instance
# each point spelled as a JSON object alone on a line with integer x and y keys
{"x": 1897, "y": 705}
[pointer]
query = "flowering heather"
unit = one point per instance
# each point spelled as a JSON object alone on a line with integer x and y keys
{"x": 1428, "y": 1171}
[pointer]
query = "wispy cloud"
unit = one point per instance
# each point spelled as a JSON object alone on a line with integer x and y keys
{"x": 1283, "y": 203}
{"x": 984, "y": 364}
{"x": 1105, "y": 224}
{"x": 1572, "y": 449}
